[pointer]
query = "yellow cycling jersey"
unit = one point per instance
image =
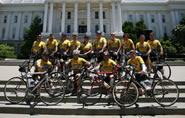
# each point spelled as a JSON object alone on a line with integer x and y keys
{"x": 63, "y": 44}
{"x": 114, "y": 43}
{"x": 143, "y": 47}
{"x": 37, "y": 46}
{"x": 43, "y": 65}
{"x": 77, "y": 64}
{"x": 108, "y": 66}
{"x": 98, "y": 43}
{"x": 137, "y": 62}
{"x": 127, "y": 44}
{"x": 155, "y": 44}
{"x": 74, "y": 45}
{"x": 86, "y": 47}
{"x": 51, "y": 44}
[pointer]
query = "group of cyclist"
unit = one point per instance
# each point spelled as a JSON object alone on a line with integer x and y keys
{"x": 108, "y": 53}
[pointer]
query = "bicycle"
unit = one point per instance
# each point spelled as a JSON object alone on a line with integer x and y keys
{"x": 49, "y": 89}
{"x": 164, "y": 91}
{"x": 92, "y": 89}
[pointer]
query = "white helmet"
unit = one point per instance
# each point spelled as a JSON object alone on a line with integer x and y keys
{"x": 76, "y": 52}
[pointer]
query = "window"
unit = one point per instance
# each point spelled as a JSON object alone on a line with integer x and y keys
{"x": 182, "y": 16}
{"x": 15, "y": 19}
{"x": 69, "y": 15}
{"x": 163, "y": 19}
{"x": 5, "y": 19}
{"x": 104, "y": 28}
{"x": 103, "y": 15}
{"x": 96, "y": 15}
{"x": 130, "y": 18}
{"x": 25, "y": 19}
{"x": 3, "y": 33}
{"x": 96, "y": 28}
{"x": 165, "y": 30}
{"x": 152, "y": 18}
{"x": 13, "y": 33}
{"x": 141, "y": 17}
{"x": 68, "y": 28}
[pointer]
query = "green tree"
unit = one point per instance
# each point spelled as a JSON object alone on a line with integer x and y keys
{"x": 179, "y": 32}
{"x": 140, "y": 28}
{"x": 129, "y": 28}
{"x": 7, "y": 51}
{"x": 134, "y": 31}
{"x": 30, "y": 36}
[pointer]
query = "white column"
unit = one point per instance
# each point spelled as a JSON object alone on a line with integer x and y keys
{"x": 149, "y": 21}
{"x": 88, "y": 18}
{"x": 137, "y": 17}
{"x": 76, "y": 17}
{"x": 50, "y": 18}
{"x": 17, "y": 35}
{"x": 113, "y": 17}
{"x": 7, "y": 27}
{"x": 177, "y": 17}
{"x": 45, "y": 18}
{"x": 101, "y": 16}
{"x": 120, "y": 32}
{"x": 173, "y": 21}
{"x": 161, "y": 32}
{"x": 63, "y": 16}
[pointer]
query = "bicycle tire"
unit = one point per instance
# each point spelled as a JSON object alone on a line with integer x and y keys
{"x": 52, "y": 91}
{"x": 89, "y": 95}
{"x": 125, "y": 94}
{"x": 167, "y": 70}
{"x": 166, "y": 92}
{"x": 15, "y": 90}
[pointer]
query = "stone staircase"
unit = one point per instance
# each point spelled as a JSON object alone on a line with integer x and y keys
{"x": 70, "y": 106}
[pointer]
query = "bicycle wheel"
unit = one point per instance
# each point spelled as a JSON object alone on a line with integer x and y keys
{"x": 166, "y": 92}
{"x": 15, "y": 90}
{"x": 165, "y": 70}
{"x": 90, "y": 93}
{"x": 52, "y": 91}
{"x": 125, "y": 94}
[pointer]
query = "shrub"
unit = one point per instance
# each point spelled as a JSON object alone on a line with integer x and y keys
{"x": 7, "y": 51}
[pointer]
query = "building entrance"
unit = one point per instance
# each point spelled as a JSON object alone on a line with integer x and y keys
{"x": 82, "y": 29}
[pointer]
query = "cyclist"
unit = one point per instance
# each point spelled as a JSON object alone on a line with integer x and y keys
{"x": 144, "y": 49}
{"x": 127, "y": 44}
{"x": 155, "y": 46}
{"x": 99, "y": 46}
{"x": 42, "y": 65}
{"x": 38, "y": 47}
{"x": 63, "y": 48}
{"x": 77, "y": 64}
{"x": 51, "y": 44}
{"x": 109, "y": 66}
{"x": 138, "y": 64}
{"x": 156, "y": 49}
{"x": 114, "y": 46}
{"x": 86, "y": 48}
{"x": 74, "y": 44}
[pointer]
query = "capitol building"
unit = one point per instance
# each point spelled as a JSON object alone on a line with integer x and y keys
{"x": 85, "y": 17}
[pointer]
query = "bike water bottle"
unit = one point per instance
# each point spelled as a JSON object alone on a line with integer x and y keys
{"x": 29, "y": 82}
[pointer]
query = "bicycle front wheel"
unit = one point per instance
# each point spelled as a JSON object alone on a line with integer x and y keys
{"x": 15, "y": 90}
{"x": 125, "y": 94}
{"x": 52, "y": 91}
{"x": 90, "y": 92}
{"x": 166, "y": 93}
{"x": 165, "y": 70}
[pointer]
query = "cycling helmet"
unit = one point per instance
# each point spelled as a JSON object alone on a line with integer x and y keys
{"x": 99, "y": 32}
{"x": 76, "y": 52}
{"x": 64, "y": 33}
